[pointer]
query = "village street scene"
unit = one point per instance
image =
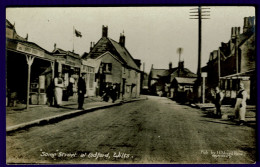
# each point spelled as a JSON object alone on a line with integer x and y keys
{"x": 131, "y": 85}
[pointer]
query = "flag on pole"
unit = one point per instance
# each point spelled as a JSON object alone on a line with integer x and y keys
{"x": 78, "y": 33}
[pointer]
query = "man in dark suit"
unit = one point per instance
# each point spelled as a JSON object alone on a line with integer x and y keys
{"x": 81, "y": 91}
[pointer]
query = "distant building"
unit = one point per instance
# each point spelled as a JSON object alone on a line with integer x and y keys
{"x": 117, "y": 66}
{"x": 161, "y": 80}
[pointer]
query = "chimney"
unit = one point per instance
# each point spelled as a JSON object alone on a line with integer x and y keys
{"x": 122, "y": 40}
{"x": 91, "y": 47}
{"x": 181, "y": 65}
{"x": 104, "y": 31}
{"x": 235, "y": 32}
{"x": 26, "y": 38}
{"x": 55, "y": 46}
{"x": 246, "y": 24}
{"x": 170, "y": 65}
{"x": 249, "y": 23}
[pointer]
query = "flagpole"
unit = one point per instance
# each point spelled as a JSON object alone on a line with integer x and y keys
{"x": 73, "y": 38}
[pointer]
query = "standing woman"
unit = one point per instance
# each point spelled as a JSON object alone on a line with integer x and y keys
{"x": 59, "y": 85}
{"x": 240, "y": 107}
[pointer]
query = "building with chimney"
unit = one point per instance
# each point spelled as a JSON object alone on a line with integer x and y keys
{"x": 161, "y": 80}
{"x": 235, "y": 62}
{"x": 115, "y": 66}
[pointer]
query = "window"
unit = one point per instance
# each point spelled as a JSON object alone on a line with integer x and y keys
{"x": 107, "y": 67}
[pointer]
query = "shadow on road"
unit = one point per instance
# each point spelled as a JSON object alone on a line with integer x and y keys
{"x": 225, "y": 123}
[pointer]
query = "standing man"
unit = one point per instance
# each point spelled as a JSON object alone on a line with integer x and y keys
{"x": 240, "y": 107}
{"x": 114, "y": 93}
{"x": 218, "y": 101}
{"x": 59, "y": 85}
{"x": 81, "y": 90}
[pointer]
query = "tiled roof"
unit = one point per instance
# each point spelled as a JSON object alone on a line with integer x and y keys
{"x": 183, "y": 73}
{"x": 182, "y": 80}
{"x": 107, "y": 44}
{"x": 157, "y": 73}
{"x": 124, "y": 54}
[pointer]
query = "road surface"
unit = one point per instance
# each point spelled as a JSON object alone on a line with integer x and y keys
{"x": 156, "y": 130}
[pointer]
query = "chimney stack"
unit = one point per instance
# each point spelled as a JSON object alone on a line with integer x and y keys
{"x": 235, "y": 31}
{"x": 122, "y": 40}
{"x": 249, "y": 23}
{"x": 181, "y": 65}
{"x": 91, "y": 47}
{"x": 104, "y": 31}
{"x": 55, "y": 46}
{"x": 170, "y": 65}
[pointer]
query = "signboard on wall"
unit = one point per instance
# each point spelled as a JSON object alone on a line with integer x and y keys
{"x": 29, "y": 50}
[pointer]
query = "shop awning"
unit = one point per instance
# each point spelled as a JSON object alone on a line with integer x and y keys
{"x": 28, "y": 48}
{"x": 243, "y": 75}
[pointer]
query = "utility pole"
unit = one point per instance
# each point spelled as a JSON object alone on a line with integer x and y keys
{"x": 199, "y": 13}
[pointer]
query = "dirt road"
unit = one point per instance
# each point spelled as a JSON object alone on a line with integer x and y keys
{"x": 156, "y": 130}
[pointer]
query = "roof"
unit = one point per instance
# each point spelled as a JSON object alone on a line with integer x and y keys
{"x": 183, "y": 73}
{"x": 157, "y": 73}
{"x": 15, "y": 35}
{"x": 8, "y": 24}
{"x": 29, "y": 44}
{"x": 106, "y": 44}
{"x": 182, "y": 80}
{"x": 61, "y": 51}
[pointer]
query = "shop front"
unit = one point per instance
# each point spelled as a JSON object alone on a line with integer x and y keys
{"x": 29, "y": 72}
{"x": 69, "y": 65}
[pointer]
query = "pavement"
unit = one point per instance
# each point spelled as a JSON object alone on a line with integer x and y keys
{"x": 227, "y": 111}
{"x": 19, "y": 117}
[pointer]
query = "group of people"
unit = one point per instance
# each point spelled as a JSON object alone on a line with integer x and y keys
{"x": 240, "y": 106}
{"x": 58, "y": 85}
{"x": 110, "y": 91}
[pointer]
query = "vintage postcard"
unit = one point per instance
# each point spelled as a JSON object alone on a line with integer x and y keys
{"x": 131, "y": 85}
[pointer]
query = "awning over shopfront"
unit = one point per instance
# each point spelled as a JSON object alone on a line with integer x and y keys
{"x": 28, "y": 48}
{"x": 243, "y": 75}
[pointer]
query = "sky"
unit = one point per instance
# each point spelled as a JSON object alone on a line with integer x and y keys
{"x": 153, "y": 34}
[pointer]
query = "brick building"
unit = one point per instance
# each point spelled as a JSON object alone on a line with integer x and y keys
{"x": 235, "y": 62}
{"x": 117, "y": 66}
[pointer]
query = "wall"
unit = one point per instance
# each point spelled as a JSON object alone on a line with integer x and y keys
{"x": 248, "y": 55}
{"x": 116, "y": 74}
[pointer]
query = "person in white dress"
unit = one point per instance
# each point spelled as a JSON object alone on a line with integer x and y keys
{"x": 59, "y": 85}
{"x": 240, "y": 107}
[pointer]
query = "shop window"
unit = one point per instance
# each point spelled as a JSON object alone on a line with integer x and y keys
{"x": 107, "y": 67}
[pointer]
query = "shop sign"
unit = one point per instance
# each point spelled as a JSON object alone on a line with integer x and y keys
{"x": 70, "y": 63}
{"x": 29, "y": 50}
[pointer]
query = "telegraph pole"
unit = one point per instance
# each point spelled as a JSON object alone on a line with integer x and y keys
{"x": 199, "y": 13}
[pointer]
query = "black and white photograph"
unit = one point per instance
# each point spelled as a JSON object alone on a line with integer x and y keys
{"x": 131, "y": 85}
